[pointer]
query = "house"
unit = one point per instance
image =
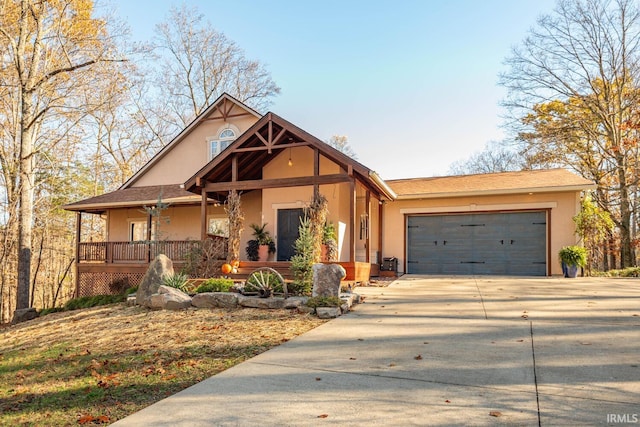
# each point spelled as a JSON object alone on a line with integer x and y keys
{"x": 508, "y": 223}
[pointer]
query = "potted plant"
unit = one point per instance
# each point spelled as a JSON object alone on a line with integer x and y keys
{"x": 571, "y": 258}
{"x": 262, "y": 244}
{"x": 329, "y": 244}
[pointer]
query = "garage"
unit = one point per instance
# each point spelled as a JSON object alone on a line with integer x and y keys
{"x": 496, "y": 243}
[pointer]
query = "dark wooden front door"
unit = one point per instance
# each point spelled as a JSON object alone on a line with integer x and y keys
{"x": 288, "y": 223}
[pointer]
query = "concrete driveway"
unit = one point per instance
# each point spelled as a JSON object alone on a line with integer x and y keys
{"x": 441, "y": 351}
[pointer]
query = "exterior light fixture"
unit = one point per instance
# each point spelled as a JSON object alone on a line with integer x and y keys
{"x": 290, "y": 163}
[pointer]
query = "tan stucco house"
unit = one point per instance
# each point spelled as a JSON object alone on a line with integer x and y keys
{"x": 505, "y": 223}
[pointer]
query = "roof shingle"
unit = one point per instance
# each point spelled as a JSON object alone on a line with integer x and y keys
{"x": 535, "y": 181}
{"x": 134, "y": 196}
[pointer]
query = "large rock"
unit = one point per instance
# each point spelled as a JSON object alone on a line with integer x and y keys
{"x": 24, "y": 314}
{"x": 326, "y": 279}
{"x": 257, "y": 302}
{"x": 161, "y": 266}
{"x": 328, "y": 312}
{"x": 215, "y": 300}
{"x": 168, "y": 298}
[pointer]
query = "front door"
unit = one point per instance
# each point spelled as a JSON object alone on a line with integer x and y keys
{"x": 288, "y": 223}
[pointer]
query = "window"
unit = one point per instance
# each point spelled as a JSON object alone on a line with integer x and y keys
{"x": 364, "y": 226}
{"x": 223, "y": 140}
{"x": 218, "y": 226}
{"x": 137, "y": 231}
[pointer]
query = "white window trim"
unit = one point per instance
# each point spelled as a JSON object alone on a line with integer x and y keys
{"x": 211, "y": 139}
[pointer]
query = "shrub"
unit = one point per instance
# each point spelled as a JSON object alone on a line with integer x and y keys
{"x": 627, "y": 272}
{"x": 215, "y": 285}
{"x": 46, "y": 311}
{"x": 319, "y": 301}
{"x": 302, "y": 261}
{"x": 93, "y": 301}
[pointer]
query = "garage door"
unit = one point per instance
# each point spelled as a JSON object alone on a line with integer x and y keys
{"x": 511, "y": 243}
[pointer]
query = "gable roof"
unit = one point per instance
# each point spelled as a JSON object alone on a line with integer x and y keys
{"x": 534, "y": 181}
{"x": 134, "y": 197}
{"x": 221, "y": 106}
{"x": 262, "y": 142}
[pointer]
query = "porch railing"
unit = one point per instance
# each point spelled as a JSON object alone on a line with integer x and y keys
{"x": 138, "y": 252}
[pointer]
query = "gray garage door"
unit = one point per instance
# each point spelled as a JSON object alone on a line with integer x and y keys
{"x": 511, "y": 243}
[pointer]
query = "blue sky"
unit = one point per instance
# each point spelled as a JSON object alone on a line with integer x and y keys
{"x": 413, "y": 84}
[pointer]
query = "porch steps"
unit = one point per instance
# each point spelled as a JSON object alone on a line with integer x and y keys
{"x": 247, "y": 267}
{"x": 356, "y": 271}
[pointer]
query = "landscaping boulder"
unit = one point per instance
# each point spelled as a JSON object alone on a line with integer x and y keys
{"x": 326, "y": 279}
{"x": 328, "y": 312}
{"x": 215, "y": 300}
{"x": 161, "y": 266}
{"x": 24, "y": 314}
{"x": 295, "y": 302}
{"x": 257, "y": 302}
{"x": 168, "y": 298}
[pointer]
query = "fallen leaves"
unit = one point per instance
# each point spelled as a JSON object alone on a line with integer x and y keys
{"x": 90, "y": 419}
{"x": 495, "y": 413}
{"x": 418, "y": 357}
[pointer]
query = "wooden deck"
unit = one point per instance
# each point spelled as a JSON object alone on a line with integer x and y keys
{"x": 141, "y": 252}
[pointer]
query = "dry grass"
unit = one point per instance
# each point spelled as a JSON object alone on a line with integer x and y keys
{"x": 98, "y": 365}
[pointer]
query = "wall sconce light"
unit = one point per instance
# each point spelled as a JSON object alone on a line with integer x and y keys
{"x": 290, "y": 163}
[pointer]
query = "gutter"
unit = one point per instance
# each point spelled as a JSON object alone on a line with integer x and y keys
{"x": 391, "y": 195}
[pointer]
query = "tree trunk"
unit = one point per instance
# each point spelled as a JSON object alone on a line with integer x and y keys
{"x": 626, "y": 259}
{"x": 25, "y": 215}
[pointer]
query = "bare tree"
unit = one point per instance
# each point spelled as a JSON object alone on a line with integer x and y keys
{"x": 199, "y": 63}
{"x": 573, "y": 94}
{"x": 495, "y": 157}
{"x": 341, "y": 143}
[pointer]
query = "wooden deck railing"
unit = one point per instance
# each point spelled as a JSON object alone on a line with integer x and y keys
{"x": 137, "y": 252}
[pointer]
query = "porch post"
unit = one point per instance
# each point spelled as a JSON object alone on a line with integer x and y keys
{"x": 367, "y": 243}
{"x": 380, "y": 222}
{"x": 352, "y": 215}
{"x": 316, "y": 170}
{"x": 77, "y": 259}
{"x": 149, "y": 224}
{"x": 203, "y": 215}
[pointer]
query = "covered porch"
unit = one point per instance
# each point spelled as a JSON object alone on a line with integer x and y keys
{"x": 277, "y": 168}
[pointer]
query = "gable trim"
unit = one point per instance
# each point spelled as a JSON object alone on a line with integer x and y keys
{"x": 219, "y": 104}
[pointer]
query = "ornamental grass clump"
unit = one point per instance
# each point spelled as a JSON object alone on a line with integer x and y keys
{"x": 176, "y": 280}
